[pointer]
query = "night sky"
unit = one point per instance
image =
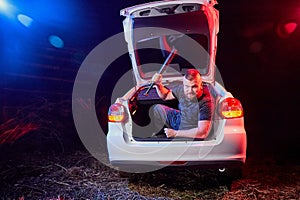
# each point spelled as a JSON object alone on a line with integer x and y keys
{"x": 258, "y": 57}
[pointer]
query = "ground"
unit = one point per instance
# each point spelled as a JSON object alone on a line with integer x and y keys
{"x": 77, "y": 175}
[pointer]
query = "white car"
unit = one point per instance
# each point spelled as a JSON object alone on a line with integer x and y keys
{"x": 152, "y": 32}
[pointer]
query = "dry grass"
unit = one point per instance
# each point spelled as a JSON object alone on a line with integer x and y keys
{"x": 80, "y": 176}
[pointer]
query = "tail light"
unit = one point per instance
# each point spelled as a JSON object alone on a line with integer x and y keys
{"x": 231, "y": 108}
{"x": 116, "y": 113}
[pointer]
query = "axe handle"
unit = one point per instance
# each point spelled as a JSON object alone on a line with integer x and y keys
{"x": 163, "y": 67}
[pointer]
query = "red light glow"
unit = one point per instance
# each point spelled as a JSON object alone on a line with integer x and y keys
{"x": 284, "y": 30}
{"x": 14, "y": 133}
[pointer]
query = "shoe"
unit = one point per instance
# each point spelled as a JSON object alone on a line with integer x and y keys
{"x": 158, "y": 135}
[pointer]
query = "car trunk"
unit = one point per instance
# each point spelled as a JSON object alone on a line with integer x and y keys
{"x": 141, "y": 112}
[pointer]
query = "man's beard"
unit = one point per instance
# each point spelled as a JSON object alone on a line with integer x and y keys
{"x": 191, "y": 96}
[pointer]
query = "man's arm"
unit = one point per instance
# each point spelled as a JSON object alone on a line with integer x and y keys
{"x": 200, "y": 132}
{"x": 161, "y": 90}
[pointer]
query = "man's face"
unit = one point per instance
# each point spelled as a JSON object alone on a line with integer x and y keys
{"x": 192, "y": 89}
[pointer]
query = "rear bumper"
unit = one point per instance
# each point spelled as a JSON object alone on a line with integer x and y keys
{"x": 229, "y": 150}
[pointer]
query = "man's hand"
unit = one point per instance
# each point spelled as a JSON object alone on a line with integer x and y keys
{"x": 170, "y": 133}
{"x": 200, "y": 132}
{"x": 157, "y": 79}
{"x": 163, "y": 92}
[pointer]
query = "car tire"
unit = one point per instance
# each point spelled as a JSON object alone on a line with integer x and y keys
{"x": 123, "y": 174}
{"x": 227, "y": 175}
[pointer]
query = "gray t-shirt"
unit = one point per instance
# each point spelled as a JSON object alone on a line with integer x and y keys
{"x": 192, "y": 111}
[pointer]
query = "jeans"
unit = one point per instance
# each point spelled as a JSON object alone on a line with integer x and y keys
{"x": 166, "y": 117}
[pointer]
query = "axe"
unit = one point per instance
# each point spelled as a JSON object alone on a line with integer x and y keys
{"x": 163, "y": 67}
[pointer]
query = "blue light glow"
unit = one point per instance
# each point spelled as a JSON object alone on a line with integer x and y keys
{"x": 6, "y": 9}
{"x": 56, "y": 41}
{"x": 3, "y": 5}
{"x": 25, "y": 20}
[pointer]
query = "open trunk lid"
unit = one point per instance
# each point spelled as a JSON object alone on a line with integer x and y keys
{"x": 153, "y": 29}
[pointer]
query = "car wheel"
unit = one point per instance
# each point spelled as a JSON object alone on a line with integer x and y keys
{"x": 227, "y": 175}
{"x": 123, "y": 174}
